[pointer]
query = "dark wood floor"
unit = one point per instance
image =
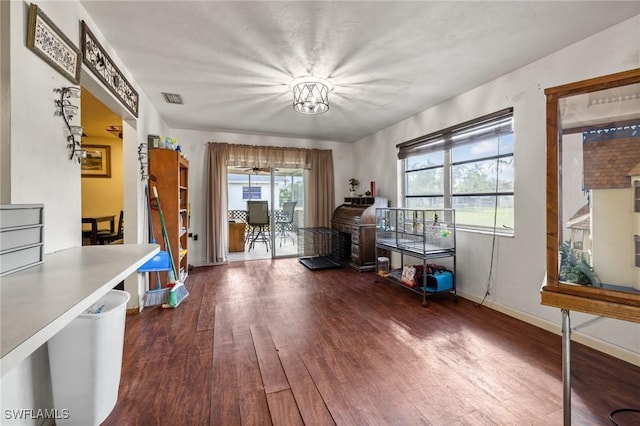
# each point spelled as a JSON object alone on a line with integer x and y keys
{"x": 270, "y": 342}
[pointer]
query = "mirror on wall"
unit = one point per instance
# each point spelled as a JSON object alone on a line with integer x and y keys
{"x": 593, "y": 194}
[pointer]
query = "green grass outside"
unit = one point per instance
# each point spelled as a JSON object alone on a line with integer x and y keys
{"x": 483, "y": 216}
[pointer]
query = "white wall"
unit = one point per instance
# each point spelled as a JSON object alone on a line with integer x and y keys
{"x": 194, "y": 146}
{"x": 40, "y": 168}
{"x": 40, "y": 171}
{"x": 520, "y": 263}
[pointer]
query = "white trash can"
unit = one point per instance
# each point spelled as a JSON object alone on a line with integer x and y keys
{"x": 86, "y": 359}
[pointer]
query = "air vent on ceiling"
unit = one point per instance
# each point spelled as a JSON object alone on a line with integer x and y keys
{"x": 172, "y": 98}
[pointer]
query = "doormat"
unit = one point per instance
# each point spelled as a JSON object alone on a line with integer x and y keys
{"x": 319, "y": 262}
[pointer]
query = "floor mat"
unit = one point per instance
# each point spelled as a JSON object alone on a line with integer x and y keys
{"x": 319, "y": 262}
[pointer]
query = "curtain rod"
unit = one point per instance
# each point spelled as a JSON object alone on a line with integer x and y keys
{"x": 451, "y": 129}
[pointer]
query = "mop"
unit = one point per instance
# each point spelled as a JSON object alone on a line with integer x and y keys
{"x": 178, "y": 291}
{"x": 160, "y": 295}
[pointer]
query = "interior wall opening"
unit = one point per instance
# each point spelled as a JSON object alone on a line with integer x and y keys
{"x": 102, "y": 176}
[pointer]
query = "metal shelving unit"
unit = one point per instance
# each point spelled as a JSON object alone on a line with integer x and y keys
{"x": 421, "y": 234}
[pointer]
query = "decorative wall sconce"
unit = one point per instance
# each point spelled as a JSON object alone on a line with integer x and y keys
{"x": 68, "y": 110}
{"x": 143, "y": 158}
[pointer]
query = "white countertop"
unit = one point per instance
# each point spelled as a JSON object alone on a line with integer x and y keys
{"x": 37, "y": 302}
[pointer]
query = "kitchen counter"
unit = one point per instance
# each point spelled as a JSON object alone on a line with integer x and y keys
{"x": 37, "y": 302}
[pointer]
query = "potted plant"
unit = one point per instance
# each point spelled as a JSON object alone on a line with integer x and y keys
{"x": 353, "y": 184}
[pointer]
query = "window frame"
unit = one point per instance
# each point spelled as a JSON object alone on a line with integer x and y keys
{"x": 249, "y": 192}
{"x": 445, "y": 141}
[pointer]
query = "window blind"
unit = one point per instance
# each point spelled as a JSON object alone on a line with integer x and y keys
{"x": 490, "y": 125}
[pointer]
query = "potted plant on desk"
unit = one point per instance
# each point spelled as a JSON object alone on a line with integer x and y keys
{"x": 353, "y": 184}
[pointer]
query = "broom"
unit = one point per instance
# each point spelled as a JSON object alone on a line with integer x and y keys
{"x": 178, "y": 291}
{"x": 160, "y": 295}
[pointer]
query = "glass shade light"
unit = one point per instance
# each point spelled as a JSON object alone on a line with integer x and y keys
{"x": 76, "y": 130}
{"x": 310, "y": 95}
{"x": 69, "y": 110}
{"x": 72, "y": 92}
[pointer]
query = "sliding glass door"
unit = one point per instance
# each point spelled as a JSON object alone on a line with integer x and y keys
{"x": 252, "y": 236}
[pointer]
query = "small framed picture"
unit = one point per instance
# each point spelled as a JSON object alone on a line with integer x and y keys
{"x": 97, "y": 162}
{"x": 48, "y": 42}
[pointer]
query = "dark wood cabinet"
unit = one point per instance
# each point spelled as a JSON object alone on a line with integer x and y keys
{"x": 355, "y": 222}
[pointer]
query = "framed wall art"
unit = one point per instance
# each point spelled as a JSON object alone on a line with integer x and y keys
{"x": 97, "y": 163}
{"x": 99, "y": 62}
{"x": 55, "y": 48}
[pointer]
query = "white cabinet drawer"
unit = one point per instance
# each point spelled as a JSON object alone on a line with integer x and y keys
{"x": 21, "y": 236}
{"x": 18, "y": 237}
{"x": 20, "y": 259}
{"x": 13, "y": 215}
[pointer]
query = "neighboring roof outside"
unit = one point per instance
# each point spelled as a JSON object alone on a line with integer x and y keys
{"x": 607, "y": 162}
{"x": 635, "y": 171}
{"x": 580, "y": 219}
{"x": 582, "y": 225}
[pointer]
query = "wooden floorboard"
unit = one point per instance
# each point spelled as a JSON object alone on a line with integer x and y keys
{"x": 269, "y": 342}
{"x": 283, "y": 408}
{"x": 271, "y": 370}
{"x": 311, "y": 406}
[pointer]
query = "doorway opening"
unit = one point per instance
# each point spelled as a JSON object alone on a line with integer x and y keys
{"x": 276, "y": 235}
{"x": 102, "y": 181}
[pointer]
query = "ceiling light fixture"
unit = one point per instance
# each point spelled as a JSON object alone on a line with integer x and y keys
{"x": 310, "y": 95}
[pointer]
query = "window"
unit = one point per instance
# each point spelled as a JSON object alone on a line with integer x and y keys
{"x": 468, "y": 167}
{"x": 636, "y": 195}
{"x": 251, "y": 192}
{"x": 636, "y": 239}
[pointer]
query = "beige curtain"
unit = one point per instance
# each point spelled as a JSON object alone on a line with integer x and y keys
{"x": 320, "y": 196}
{"x": 267, "y": 156}
{"x": 217, "y": 228}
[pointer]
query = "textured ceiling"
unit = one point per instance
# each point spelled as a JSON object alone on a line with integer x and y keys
{"x": 232, "y": 62}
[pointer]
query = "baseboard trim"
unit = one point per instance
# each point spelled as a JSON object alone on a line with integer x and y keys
{"x": 576, "y": 336}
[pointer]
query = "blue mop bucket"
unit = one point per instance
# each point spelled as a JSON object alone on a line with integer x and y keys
{"x": 160, "y": 262}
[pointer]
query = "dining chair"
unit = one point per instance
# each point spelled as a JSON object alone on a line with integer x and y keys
{"x": 258, "y": 220}
{"x": 106, "y": 237}
{"x": 284, "y": 221}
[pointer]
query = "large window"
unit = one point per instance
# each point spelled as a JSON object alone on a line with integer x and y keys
{"x": 468, "y": 167}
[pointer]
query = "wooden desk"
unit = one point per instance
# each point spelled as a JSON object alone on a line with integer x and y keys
{"x": 236, "y": 236}
{"x": 93, "y": 221}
